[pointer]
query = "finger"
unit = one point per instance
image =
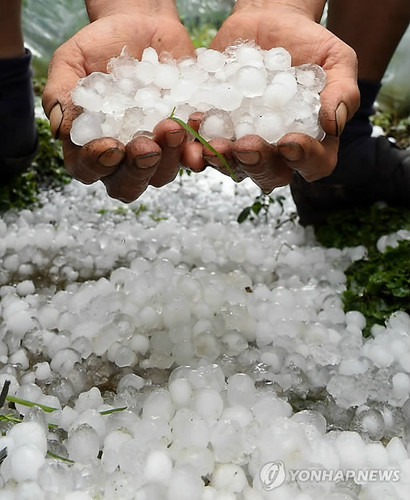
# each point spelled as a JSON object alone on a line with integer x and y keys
{"x": 171, "y": 137}
{"x": 340, "y": 98}
{"x": 192, "y": 157}
{"x": 65, "y": 69}
{"x": 225, "y": 157}
{"x": 94, "y": 160}
{"x": 311, "y": 158}
{"x": 133, "y": 176}
{"x": 261, "y": 162}
{"x": 195, "y": 119}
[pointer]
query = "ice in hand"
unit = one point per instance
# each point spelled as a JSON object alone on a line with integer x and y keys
{"x": 244, "y": 90}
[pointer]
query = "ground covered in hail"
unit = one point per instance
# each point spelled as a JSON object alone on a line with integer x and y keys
{"x": 173, "y": 353}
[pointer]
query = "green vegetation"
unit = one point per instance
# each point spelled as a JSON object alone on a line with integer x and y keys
{"x": 379, "y": 284}
{"x": 202, "y": 36}
{"x": 47, "y": 171}
{"x": 260, "y": 208}
{"x": 396, "y": 127}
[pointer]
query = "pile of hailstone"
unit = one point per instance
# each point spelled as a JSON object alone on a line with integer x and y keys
{"x": 225, "y": 346}
{"x": 245, "y": 90}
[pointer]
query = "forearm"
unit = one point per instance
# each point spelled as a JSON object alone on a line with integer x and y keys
{"x": 11, "y": 37}
{"x": 102, "y": 8}
{"x": 313, "y": 9}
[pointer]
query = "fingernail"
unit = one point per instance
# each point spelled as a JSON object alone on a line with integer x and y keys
{"x": 147, "y": 161}
{"x": 291, "y": 151}
{"x": 341, "y": 118}
{"x": 56, "y": 117}
{"x": 110, "y": 157}
{"x": 248, "y": 157}
{"x": 211, "y": 160}
{"x": 174, "y": 138}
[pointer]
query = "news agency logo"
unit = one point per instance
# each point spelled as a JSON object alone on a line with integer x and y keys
{"x": 273, "y": 475}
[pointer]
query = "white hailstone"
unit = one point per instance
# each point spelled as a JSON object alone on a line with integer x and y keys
{"x": 131, "y": 380}
{"x": 241, "y": 390}
{"x": 28, "y": 433}
{"x": 280, "y": 90}
{"x": 145, "y": 72}
{"x": 229, "y": 477}
{"x": 86, "y": 127}
{"x": 25, "y": 288}
{"x": 396, "y": 451}
{"x": 20, "y": 358}
{"x": 112, "y": 448}
{"x": 26, "y": 460}
{"x": 208, "y": 403}
{"x": 216, "y": 123}
{"x": 189, "y": 429}
{"x": 64, "y": 360}
{"x": 277, "y": 59}
{"x": 210, "y": 60}
{"x": 158, "y": 467}
{"x": 401, "y": 385}
{"x": 182, "y": 91}
{"x": 165, "y": 76}
{"x": 158, "y": 405}
{"x": 180, "y": 391}
{"x": 184, "y": 484}
{"x": 212, "y": 80}
{"x": 87, "y": 98}
{"x": 226, "y": 439}
{"x": 227, "y": 97}
{"x": 248, "y": 55}
{"x": 251, "y": 81}
{"x": 150, "y": 54}
{"x": 311, "y": 76}
{"x": 313, "y": 422}
{"x": 269, "y": 126}
{"x": 83, "y": 444}
{"x": 91, "y": 399}
{"x": 111, "y": 126}
{"x": 200, "y": 458}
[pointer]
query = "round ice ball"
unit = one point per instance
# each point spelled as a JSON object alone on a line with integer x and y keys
{"x": 83, "y": 444}
{"x": 277, "y": 58}
{"x": 26, "y": 461}
{"x": 158, "y": 467}
{"x": 216, "y": 123}
{"x": 86, "y": 127}
{"x": 229, "y": 477}
{"x": 211, "y": 60}
{"x": 251, "y": 81}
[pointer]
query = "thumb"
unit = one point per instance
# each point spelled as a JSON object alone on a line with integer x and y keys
{"x": 339, "y": 100}
{"x": 63, "y": 75}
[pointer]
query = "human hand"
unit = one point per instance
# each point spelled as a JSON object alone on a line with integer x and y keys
{"x": 272, "y": 24}
{"x": 126, "y": 170}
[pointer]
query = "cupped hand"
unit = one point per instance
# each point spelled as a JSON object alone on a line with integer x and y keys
{"x": 272, "y": 165}
{"x": 126, "y": 170}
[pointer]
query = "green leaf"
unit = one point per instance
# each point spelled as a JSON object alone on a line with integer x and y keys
{"x": 244, "y": 215}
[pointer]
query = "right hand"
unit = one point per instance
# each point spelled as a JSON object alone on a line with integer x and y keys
{"x": 126, "y": 170}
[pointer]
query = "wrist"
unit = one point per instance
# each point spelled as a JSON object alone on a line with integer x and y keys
{"x": 102, "y": 8}
{"x": 312, "y": 9}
